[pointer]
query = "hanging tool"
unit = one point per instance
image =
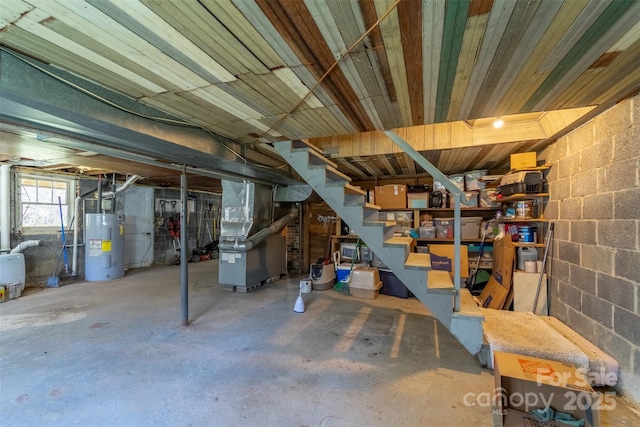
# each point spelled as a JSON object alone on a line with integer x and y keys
{"x": 544, "y": 263}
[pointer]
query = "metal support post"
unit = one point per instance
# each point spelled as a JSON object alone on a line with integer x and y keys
{"x": 184, "y": 278}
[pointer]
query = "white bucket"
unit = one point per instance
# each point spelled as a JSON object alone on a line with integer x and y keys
{"x": 305, "y": 286}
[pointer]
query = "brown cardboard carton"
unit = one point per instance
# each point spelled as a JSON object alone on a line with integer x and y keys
{"x": 523, "y": 160}
{"x": 525, "y": 383}
{"x": 418, "y": 200}
{"x": 496, "y": 293}
{"x": 442, "y": 258}
{"x": 392, "y": 196}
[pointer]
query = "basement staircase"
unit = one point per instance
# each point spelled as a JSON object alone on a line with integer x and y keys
{"x": 432, "y": 287}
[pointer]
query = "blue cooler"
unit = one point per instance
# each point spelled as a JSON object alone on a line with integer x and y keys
{"x": 344, "y": 269}
{"x": 391, "y": 285}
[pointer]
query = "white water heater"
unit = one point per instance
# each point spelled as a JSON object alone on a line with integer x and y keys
{"x": 104, "y": 246}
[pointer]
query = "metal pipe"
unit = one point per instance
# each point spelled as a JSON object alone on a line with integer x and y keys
{"x": 456, "y": 250}
{"x": 74, "y": 258}
{"x": 5, "y": 218}
{"x": 113, "y": 186}
{"x": 99, "y": 208}
{"x": 260, "y": 236}
{"x": 24, "y": 245}
{"x": 300, "y": 242}
{"x": 184, "y": 277}
{"x": 127, "y": 184}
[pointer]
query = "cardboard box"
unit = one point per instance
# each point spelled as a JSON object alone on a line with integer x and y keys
{"x": 524, "y": 384}
{"x": 496, "y": 294}
{"x": 392, "y": 196}
{"x": 442, "y": 257}
{"x": 418, "y": 200}
{"x": 523, "y": 160}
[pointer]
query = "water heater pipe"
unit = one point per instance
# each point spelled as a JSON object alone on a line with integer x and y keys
{"x": 5, "y": 218}
{"x": 99, "y": 207}
{"x": 260, "y": 236}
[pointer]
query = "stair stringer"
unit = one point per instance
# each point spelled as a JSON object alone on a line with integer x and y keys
{"x": 330, "y": 184}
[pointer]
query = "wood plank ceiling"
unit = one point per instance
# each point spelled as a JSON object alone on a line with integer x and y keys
{"x": 335, "y": 72}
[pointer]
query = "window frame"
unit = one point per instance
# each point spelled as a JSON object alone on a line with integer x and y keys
{"x": 70, "y": 199}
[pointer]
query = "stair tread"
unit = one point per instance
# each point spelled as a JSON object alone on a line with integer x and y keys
{"x": 319, "y": 156}
{"x": 416, "y": 260}
{"x": 350, "y": 189}
{"x": 400, "y": 241}
{"x": 439, "y": 280}
{"x": 298, "y": 144}
{"x": 468, "y": 305}
{"x": 362, "y": 203}
{"x": 380, "y": 223}
{"x": 332, "y": 170}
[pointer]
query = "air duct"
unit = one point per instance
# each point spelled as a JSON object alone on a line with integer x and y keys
{"x": 260, "y": 236}
{"x": 127, "y": 184}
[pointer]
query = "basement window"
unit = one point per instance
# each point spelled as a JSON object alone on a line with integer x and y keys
{"x": 42, "y": 198}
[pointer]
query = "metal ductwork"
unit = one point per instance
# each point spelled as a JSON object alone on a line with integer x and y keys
{"x": 252, "y": 251}
{"x": 260, "y": 236}
{"x": 127, "y": 184}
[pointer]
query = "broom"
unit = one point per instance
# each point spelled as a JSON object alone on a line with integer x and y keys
{"x": 54, "y": 281}
{"x": 343, "y": 285}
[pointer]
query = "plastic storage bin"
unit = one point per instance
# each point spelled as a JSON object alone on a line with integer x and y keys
{"x": 470, "y": 227}
{"x": 365, "y": 282}
{"x": 391, "y": 285}
{"x": 526, "y": 254}
{"x": 444, "y": 228}
{"x": 427, "y": 232}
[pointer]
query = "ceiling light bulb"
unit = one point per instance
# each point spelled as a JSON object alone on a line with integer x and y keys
{"x": 498, "y": 124}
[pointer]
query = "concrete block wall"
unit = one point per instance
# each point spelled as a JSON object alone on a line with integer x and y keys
{"x": 594, "y": 201}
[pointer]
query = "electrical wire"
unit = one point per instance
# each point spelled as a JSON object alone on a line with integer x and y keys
{"x": 326, "y": 73}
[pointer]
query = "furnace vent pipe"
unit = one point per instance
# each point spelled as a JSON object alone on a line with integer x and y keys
{"x": 127, "y": 184}
{"x": 260, "y": 236}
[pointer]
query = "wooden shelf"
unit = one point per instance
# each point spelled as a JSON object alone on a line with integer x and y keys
{"x": 447, "y": 240}
{"x": 461, "y": 210}
{"x": 528, "y": 245}
{"x": 529, "y": 220}
{"x": 521, "y": 196}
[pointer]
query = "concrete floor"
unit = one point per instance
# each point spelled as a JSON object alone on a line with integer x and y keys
{"x": 114, "y": 354}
